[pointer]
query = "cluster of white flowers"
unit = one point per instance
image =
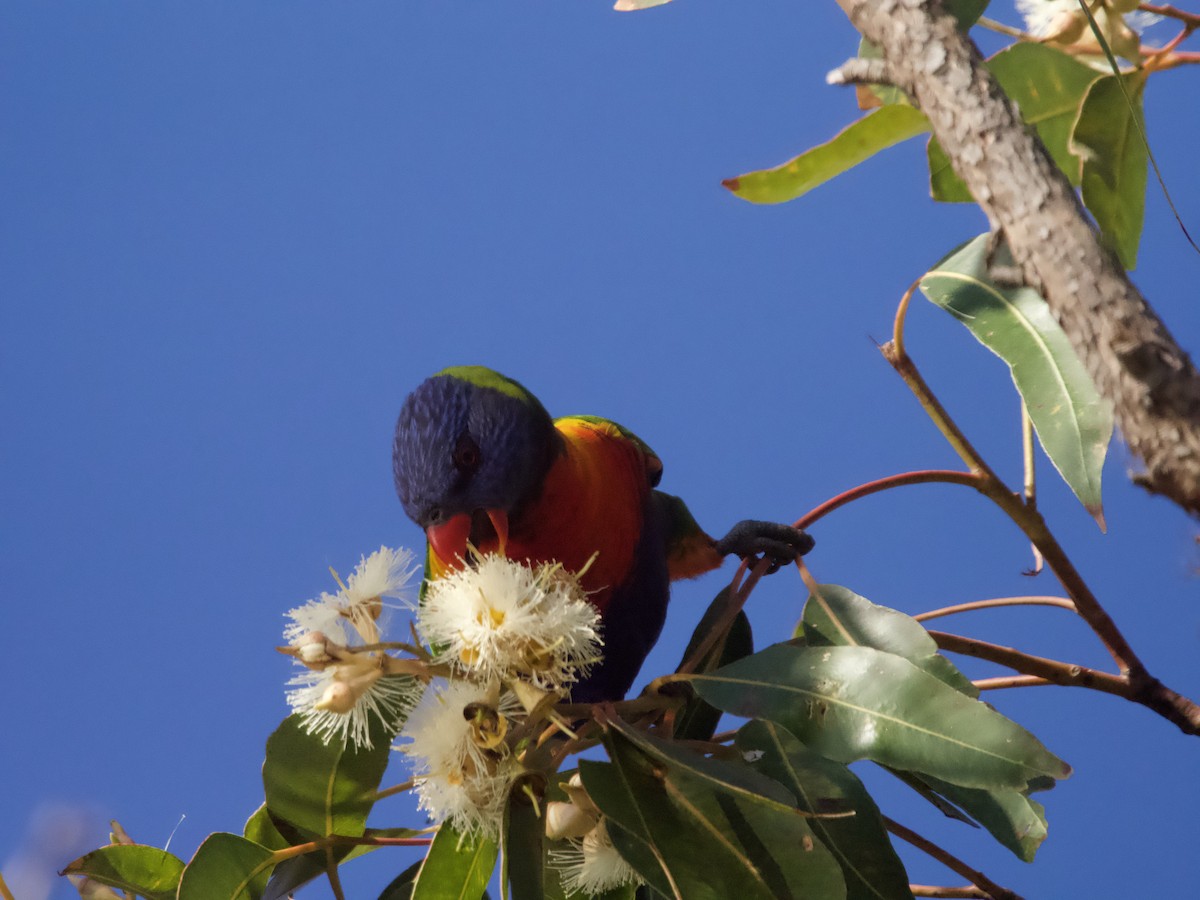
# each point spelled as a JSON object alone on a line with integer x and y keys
{"x": 502, "y": 620}
{"x": 462, "y": 764}
{"x": 342, "y": 687}
{"x": 504, "y": 640}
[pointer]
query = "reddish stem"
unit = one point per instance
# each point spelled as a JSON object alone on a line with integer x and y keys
{"x": 926, "y": 476}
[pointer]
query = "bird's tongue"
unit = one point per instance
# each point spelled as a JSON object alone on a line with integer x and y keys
{"x": 449, "y": 540}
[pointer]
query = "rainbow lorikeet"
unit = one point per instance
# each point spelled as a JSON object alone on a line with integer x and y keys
{"x": 478, "y": 460}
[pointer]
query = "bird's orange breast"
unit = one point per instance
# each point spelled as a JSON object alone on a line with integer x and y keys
{"x": 592, "y": 503}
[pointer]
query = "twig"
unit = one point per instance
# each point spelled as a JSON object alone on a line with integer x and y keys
{"x": 1143, "y": 689}
{"x": 331, "y": 872}
{"x": 1027, "y": 518}
{"x": 985, "y": 884}
{"x": 394, "y": 789}
{"x": 927, "y": 476}
{"x": 934, "y": 890}
{"x": 1009, "y": 681}
{"x": 1001, "y": 28}
{"x": 1060, "y": 602}
{"x": 737, "y": 598}
{"x": 4, "y": 891}
{"x": 1066, "y": 674}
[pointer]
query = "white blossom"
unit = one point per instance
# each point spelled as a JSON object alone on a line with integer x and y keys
{"x": 341, "y": 687}
{"x": 592, "y": 865}
{"x": 501, "y": 619}
{"x": 462, "y": 766}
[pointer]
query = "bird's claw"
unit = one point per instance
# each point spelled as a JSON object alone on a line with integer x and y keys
{"x": 754, "y": 540}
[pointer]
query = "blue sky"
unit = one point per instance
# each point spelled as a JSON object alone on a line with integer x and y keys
{"x": 234, "y": 235}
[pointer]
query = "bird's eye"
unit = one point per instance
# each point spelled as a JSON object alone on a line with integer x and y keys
{"x": 466, "y": 454}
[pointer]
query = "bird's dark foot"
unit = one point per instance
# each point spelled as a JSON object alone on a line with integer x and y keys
{"x": 781, "y": 544}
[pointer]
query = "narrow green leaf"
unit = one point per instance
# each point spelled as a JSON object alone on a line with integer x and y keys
{"x": 457, "y": 867}
{"x": 522, "y": 851}
{"x": 839, "y": 617}
{"x": 321, "y": 788}
{"x": 1049, "y": 86}
{"x": 1109, "y": 138}
{"x": 851, "y": 703}
{"x": 1011, "y": 817}
{"x": 698, "y": 720}
{"x": 712, "y": 831}
{"x": 145, "y": 871}
{"x": 1073, "y": 422}
{"x": 226, "y": 867}
{"x": 859, "y": 843}
{"x": 861, "y": 140}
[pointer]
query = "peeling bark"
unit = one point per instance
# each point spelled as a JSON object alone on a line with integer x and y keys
{"x": 1131, "y": 356}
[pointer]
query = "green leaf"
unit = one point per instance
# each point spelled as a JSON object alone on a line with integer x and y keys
{"x": 837, "y": 616}
{"x": 261, "y": 829}
{"x": 1011, "y": 817}
{"x": 851, "y": 703}
{"x": 321, "y": 788}
{"x": 716, "y": 829}
{"x": 1049, "y": 86}
{"x": 457, "y": 867}
{"x": 698, "y": 720}
{"x": 861, "y": 140}
{"x": 522, "y": 852}
{"x": 859, "y": 843}
{"x": 1073, "y": 422}
{"x": 145, "y": 871}
{"x": 227, "y": 867}
{"x": 1109, "y": 137}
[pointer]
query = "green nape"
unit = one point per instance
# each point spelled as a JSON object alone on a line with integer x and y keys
{"x": 482, "y": 376}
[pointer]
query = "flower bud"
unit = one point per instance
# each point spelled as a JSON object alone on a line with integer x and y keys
{"x": 579, "y": 796}
{"x": 339, "y": 697}
{"x": 566, "y": 820}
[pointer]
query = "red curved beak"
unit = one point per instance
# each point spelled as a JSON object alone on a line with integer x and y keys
{"x": 449, "y": 540}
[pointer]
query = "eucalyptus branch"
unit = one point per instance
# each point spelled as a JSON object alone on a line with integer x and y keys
{"x": 1135, "y": 682}
{"x": 985, "y": 884}
{"x": 1027, "y": 518}
{"x": 4, "y": 891}
{"x": 1060, "y": 602}
{"x": 1142, "y": 689}
{"x": 1056, "y": 671}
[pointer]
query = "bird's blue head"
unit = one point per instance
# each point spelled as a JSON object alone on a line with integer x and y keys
{"x": 471, "y": 448}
